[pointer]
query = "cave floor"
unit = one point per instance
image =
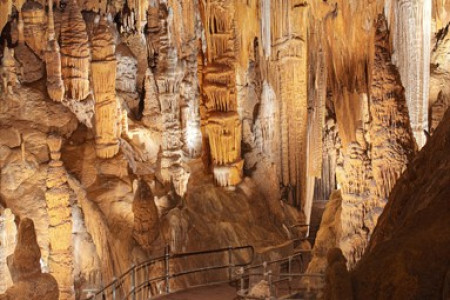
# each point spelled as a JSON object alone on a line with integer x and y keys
{"x": 218, "y": 292}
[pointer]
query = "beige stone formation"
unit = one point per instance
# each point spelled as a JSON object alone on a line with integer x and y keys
{"x": 8, "y": 71}
{"x": 8, "y": 240}
{"x": 223, "y": 126}
{"x": 34, "y": 26}
{"x": 146, "y": 219}
{"x": 29, "y": 282}
{"x": 338, "y": 284}
{"x": 60, "y": 221}
{"x": 75, "y": 53}
{"x": 55, "y": 85}
{"x": 107, "y": 110}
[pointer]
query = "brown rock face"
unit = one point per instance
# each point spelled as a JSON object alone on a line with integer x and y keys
{"x": 29, "y": 281}
{"x": 74, "y": 53}
{"x": 408, "y": 255}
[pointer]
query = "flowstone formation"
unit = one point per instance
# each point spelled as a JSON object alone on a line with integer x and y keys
{"x": 8, "y": 231}
{"x": 24, "y": 265}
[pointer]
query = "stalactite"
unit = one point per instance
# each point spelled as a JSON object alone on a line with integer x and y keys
{"x": 8, "y": 231}
{"x": 74, "y": 53}
{"x": 107, "y": 110}
{"x": 412, "y": 45}
{"x": 59, "y": 209}
{"x": 146, "y": 219}
{"x": 55, "y": 85}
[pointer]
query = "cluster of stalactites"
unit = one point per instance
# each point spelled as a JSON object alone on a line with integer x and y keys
{"x": 222, "y": 125}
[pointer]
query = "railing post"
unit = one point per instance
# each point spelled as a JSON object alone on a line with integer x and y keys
{"x": 166, "y": 261}
{"x": 241, "y": 271}
{"x": 265, "y": 270}
{"x": 270, "y": 284}
{"x": 133, "y": 282}
{"x": 114, "y": 289}
{"x": 290, "y": 268}
{"x": 230, "y": 262}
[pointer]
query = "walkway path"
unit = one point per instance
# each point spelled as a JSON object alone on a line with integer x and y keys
{"x": 217, "y": 292}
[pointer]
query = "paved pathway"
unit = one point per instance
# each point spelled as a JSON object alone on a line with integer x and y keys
{"x": 217, "y": 292}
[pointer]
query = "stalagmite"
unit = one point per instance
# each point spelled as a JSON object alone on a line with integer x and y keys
{"x": 55, "y": 85}
{"x": 107, "y": 113}
{"x": 74, "y": 53}
{"x": 146, "y": 220}
{"x": 59, "y": 209}
{"x": 24, "y": 265}
{"x": 412, "y": 47}
{"x": 8, "y": 231}
{"x": 35, "y": 23}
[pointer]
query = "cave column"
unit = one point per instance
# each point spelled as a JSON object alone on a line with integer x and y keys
{"x": 107, "y": 110}
{"x": 57, "y": 196}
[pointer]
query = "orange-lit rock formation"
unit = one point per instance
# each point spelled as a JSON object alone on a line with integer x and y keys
{"x": 8, "y": 71}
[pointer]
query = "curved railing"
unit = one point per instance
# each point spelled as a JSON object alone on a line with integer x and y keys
{"x": 136, "y": 283}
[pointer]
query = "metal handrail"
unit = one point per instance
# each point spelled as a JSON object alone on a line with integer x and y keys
{"x": 131, "y": 272}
